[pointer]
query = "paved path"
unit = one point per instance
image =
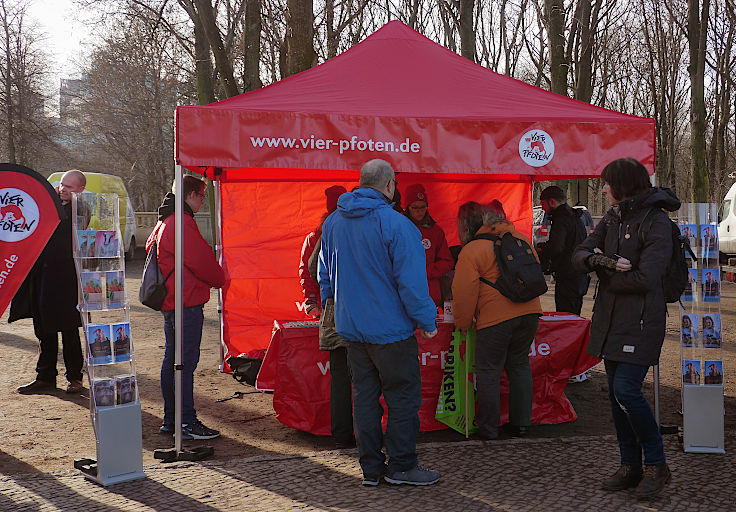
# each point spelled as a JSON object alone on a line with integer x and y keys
{"x": 511, "y": 475}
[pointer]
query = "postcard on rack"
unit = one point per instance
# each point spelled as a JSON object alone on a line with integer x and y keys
{"x": 107, "y": 244}
{"x": 91, "y": 251}
{"x": 690, "y": 233}
{"x": 689, "y": 330}
{"x": 688, "y": 295}
{"x": 98, "y": 339}
{"x": 711, "y": 285}
{"x": 121, "y": 342}
{"x": 713, "y": 372}
{"x": 92, "y": 289}
{"x": 712, "y": 331}
{"x": 690, "y": 372}
{"x": 709, "y": 241}
{"x": 126, "y": 389}
{"x": 115, "y": 288}
{"x": 103, "y": 391}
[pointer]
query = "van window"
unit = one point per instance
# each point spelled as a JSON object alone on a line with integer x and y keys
{"x": 724, "y": 210}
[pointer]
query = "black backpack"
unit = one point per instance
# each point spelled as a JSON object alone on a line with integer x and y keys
{"x": 675, "y": 277}
{"x": 521, "y": 276}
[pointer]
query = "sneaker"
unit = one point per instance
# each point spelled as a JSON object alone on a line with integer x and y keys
{"x": 625, "y": 478}
{"x": 37, "y": 386}
{"x": 166, "y": 428}
{"x": 197, "y": 430}
{"x": 654, "y": 480}
{"x": 414, "y": 476}
{"x": 374, "y": 480}
{"x": 75, "y": 386}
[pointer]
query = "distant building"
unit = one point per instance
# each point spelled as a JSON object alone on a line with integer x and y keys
{"x": 69, "y": 91}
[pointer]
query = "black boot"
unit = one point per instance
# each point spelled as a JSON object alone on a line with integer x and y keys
{"x": 625, "y": 478}
{"x": 654, "y": 481}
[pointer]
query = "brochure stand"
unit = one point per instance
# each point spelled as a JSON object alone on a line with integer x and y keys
{"x": 115, "y": 406}
{"x": 701, "y": 335}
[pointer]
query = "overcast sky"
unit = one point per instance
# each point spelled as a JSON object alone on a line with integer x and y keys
{"x": 60, "y": 21}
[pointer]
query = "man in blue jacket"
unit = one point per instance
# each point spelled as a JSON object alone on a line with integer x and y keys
{"x": 372, "y": 264}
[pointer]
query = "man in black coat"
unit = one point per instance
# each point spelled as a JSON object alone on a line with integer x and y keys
{"x": 566, "y": 233}
{"x": 49, "y": 295}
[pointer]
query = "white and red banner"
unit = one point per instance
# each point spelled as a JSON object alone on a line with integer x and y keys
{"x": 298, "y": 373}
{"x": 29, "y": 213}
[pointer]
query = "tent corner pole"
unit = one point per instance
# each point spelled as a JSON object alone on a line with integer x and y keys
{"x": 179, "y": 307}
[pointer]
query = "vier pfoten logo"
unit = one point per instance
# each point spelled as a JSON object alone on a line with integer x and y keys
{"x": 18, "y": 215}
{"x": 536, "y": 148}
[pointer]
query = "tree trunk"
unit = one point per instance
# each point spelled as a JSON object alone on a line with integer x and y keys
{"x": 203, "y": 65}
{"x": 297, "y": 50}
{"x": 252, "y": 46}
{"x": 222, "y": 61}
{"x": 8, "y": 78}
{"x": 467, "y": 31}
{"x": 555, "y": 21}
{"x": 697, "y": 30}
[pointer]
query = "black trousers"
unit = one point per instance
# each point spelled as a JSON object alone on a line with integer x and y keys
{"x": 71, "y": 351}
{"x": 341, "y": 403}
{"x": 568, "y": 298}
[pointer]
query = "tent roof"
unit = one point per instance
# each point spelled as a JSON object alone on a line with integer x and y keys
{"x": 399, "y": 83}
{"x": 398, "y": 72}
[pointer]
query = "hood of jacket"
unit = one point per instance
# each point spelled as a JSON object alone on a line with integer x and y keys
{"x": 361, "y": 202}
{"x": 498, "y": 229}
{"x": 168, "y": 206}
{"x": 656, "y": 197}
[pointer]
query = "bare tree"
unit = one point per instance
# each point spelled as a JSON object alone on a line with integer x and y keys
{"x": 697, "y": 29}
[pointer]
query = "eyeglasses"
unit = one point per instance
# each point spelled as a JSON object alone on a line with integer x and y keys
{"x": 201, "y": 194}
{"x": 396, "y": 182}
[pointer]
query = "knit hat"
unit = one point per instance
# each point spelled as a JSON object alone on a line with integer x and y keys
{"x": 332, "y": 194}
{"x": 415, "y": 193}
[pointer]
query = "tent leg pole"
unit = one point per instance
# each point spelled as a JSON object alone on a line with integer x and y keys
{"x": 179, "y": 309}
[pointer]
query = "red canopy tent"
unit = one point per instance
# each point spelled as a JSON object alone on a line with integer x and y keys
{"x": 462, "y": 130}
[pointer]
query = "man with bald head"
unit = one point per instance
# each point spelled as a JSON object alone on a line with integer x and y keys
{"x": 49, "y": 296}
{"x": 372, "y": 265}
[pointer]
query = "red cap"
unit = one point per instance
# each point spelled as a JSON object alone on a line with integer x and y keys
{"x": 415, "y": 193}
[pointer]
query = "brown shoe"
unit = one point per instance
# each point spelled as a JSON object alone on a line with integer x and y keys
{"x": 625, "y": 478}
{"x": 654, "y": 481}
{"x": 75, "y": 386}
{"x": 37, "y": 386}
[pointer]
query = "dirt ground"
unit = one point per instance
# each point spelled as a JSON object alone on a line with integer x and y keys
{"x": 47, "y": 432}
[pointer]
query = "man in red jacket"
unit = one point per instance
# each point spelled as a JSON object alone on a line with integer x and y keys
{"x": 200, "y": 273}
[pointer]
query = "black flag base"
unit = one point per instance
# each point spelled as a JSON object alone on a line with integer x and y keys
{"x": 170, "y": 454}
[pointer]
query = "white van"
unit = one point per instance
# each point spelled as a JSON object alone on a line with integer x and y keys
{"x": 727, "y": 223}
{"x": 107, "y": 183}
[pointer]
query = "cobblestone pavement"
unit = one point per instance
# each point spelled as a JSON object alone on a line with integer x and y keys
{"x": 510, "y": 475}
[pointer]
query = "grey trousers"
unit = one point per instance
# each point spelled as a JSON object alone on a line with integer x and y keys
{"x": 504, "y": 346}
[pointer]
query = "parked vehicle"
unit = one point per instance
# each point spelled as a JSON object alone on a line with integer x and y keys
{"x": 99, "y": 183}
{"x": 727, "y": 224}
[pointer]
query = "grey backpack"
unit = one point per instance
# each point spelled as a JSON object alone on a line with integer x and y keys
{"x": 153, "y": 285}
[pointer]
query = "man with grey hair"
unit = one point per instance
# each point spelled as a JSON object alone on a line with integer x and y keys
{"x": 372, "y": 264}
{"x": 49, "y": 297}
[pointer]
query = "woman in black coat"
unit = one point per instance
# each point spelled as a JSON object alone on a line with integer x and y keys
{"x": 628, "y": 324}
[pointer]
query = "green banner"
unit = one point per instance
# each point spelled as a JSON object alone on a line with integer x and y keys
{"x": 456, "y": 403}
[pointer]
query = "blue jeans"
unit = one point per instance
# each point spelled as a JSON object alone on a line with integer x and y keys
{"x": 193, "y": 318}
{"x": 636, "y": 427}
{"x": 391, "y": 369}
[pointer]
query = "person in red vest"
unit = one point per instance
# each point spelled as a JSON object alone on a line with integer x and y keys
{"x": 438, "y": 257}
{"x": 341, "y": 405}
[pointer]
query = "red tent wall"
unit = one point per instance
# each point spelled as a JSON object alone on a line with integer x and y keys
{"x": 264, "y": 224}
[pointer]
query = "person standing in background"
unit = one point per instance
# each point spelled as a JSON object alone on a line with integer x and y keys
{"x": 49, "y": 295}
